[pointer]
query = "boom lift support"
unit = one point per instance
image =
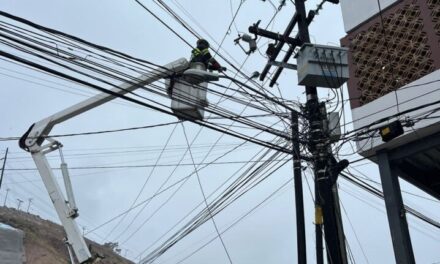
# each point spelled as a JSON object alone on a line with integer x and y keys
{"x": 38, "y": 142}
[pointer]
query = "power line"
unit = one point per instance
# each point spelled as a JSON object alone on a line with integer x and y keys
{"x": 239, "y": 220}
{"x": 204, "y": 198}
{"x": 197, "y": 36}
{"x": 125, "y": 80}
{"x": 163, "y": 23}
{"x": 367, "y": 187}
{"x": 240, "y": 121}
{"x": 355, "y": 234}
{"x": 247, "y": 181}
{"x": 120, "y": 96}
{"x": 172, "y": 195}
{"x": 151, "y": 165}
{"x": 401, "y": 113}
{"x": 132, "y": 150}
{"x": 181, "y": 185}
{"x": 229, "y": 27}
{"x": 165, "y": 189}
{"x": 142, "y": 188}
{"x": 193, "y": 164}
{"x": 97, "y": 132}
{"x": 79, "y": 93}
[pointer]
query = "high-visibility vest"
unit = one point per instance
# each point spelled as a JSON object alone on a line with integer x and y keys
{"x": 197, "y": 52}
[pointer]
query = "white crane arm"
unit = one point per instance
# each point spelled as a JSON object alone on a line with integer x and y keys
{"x": 33, "y": 139}
{"x": 42, "y": 128}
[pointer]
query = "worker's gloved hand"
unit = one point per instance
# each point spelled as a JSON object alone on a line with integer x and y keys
{"x": 216, "y": 68}
{"x": 220, "y": 69}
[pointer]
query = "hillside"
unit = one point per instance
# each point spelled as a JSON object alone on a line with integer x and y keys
{"x": 43, "y": 240}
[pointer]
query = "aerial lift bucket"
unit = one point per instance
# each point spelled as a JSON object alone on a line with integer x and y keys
{"x": 188, "y": 95}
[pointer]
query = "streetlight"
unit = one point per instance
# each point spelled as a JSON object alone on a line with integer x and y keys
{"x": 29, "y": 204}
{"x": 19, "y": 203}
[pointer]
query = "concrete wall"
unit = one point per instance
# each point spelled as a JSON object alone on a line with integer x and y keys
{"x": 423, "y": 91}
{"x": 11, "y": 245}
{"x": 355, "y": 12}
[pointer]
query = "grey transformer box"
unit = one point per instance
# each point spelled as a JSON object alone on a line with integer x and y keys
{"x": 322, "y": 66}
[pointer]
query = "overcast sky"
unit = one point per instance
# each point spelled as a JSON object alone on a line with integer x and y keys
{"x": 266, "y": 236}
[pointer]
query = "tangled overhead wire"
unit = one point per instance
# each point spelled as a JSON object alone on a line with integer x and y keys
{"x": 102, "y": 67}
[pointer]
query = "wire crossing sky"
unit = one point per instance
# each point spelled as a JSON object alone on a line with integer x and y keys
{"x": 136, "y": 181}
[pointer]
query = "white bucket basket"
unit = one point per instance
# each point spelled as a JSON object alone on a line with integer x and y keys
{"x": 188, "y": 101}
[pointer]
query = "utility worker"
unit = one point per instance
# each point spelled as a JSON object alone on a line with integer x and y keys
{"x": 201, "y": 54}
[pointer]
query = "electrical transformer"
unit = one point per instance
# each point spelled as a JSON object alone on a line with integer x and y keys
{"x": 322, "y": 66}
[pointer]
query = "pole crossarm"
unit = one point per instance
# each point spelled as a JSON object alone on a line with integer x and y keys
{"x": 281, "y": 39}
{"x": 275, "y": 36}
{"x": 279, "y": 46}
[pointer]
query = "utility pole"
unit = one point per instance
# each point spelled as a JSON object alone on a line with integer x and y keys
{"x": 3, "y": 167}
{"x": 19, "y": 203}
{"x": 6, "y": 196}
{"x": 326, "y": 168}
{"x": 29, "y": 205}
{"x": 299, "y": 201}
{"x": 325, "y": 178}
{"x": 319, "y": 221}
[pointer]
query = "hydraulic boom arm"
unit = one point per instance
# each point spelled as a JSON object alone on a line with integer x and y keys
{"x": 38, "y": 133}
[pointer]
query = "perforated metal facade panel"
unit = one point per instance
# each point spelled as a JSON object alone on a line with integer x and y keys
{"x": 381, "y": 61}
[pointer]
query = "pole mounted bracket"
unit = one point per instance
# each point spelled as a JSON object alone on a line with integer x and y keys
{"x": 254, "y": 29}
{"x": 336, "y": 168}
{"x": 252, "y": 41}
{"x": 283, "y": 65}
